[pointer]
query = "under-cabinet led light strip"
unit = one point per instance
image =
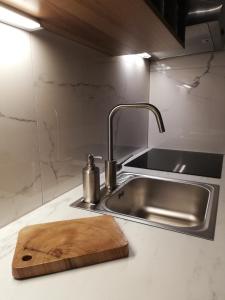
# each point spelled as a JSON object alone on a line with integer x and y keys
{"x": 15, "y": 19}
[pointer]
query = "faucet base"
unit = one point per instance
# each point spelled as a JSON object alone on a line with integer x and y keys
{"x": 110, "y": 175}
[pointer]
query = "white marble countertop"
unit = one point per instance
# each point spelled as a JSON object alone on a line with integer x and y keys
{"x": 163, "y": 265}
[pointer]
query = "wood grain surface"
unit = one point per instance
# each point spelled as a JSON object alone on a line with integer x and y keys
{"x": 114, "y": 27}
{"x": 59, "y": 246}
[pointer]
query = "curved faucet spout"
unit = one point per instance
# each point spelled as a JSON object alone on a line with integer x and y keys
{"x": 111, "y": 164}
{"x": 112, "y": 113}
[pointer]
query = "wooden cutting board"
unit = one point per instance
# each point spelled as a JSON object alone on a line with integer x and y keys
{"x": 59, "y": 246}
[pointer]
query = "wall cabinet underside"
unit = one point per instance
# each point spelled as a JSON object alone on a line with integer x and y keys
{"x": 113, "y": 27}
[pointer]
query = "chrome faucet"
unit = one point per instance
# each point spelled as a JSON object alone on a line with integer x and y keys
{"x": 111, "y": 164}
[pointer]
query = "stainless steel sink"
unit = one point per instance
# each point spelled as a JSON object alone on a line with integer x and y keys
{"x": 182, "y": 206}
{"x": 165, "y": 202}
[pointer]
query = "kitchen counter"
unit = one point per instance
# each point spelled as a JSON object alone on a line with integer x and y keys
{"x": 163, "y": 265}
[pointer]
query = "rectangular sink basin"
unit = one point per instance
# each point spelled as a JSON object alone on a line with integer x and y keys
{"x": 182, "y": 206}
{"x": 165, "y": 202}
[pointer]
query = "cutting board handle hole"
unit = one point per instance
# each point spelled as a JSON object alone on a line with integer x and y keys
{"x": 27, "y": 257}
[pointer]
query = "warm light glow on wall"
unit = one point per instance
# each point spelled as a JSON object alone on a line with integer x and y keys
{"x": 15, "y": 19}
{"x": 135, "y": 60}
{"x": 132, "y": 61}
{"x": 162, "y": 67}
{"x": 15, "y": 46}
{"x": 144, "y": 55}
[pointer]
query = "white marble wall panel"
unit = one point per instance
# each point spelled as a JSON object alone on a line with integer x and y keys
{"x": 54, "y": 99}
{"x": 190, "y": 92}
{"x": 20, "y": 184}
{"x": 75, "y": 88}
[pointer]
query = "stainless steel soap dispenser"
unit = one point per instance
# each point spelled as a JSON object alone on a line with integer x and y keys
{"x": 91, "y": 181}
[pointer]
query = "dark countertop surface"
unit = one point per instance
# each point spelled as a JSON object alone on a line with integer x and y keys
{"x": 176, "y": 161}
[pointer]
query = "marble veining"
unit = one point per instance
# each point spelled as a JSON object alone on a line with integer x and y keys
{"x": 23, "y": 189}
{"x": 190, "y": 92}
{"x": 55, "y": 97}
{"x": 51, "y": 151}
{"x": 16, "y": 118}
{"x": 197, "y": 79}
{"x": 76, "y": 85}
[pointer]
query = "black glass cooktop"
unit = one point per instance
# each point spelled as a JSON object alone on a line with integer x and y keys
{"x": 186, "y": 162}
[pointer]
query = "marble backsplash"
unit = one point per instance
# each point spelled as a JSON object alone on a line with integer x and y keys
{"x": 54, "y": 99}
{"x": 190, "y": 93}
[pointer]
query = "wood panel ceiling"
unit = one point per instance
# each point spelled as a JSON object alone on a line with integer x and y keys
{"x": 114, "y": 27}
